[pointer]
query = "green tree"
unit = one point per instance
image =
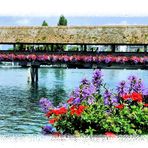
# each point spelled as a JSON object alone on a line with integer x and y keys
{"x": 62, "y": 21}
{"x": 44, "y": 23}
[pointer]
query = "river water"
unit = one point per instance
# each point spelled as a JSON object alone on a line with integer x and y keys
{"x": 20, "y": 113}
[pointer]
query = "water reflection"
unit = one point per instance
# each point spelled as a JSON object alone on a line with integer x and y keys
{"x": 19, "y": 108}
{"x": 59, "y": 91}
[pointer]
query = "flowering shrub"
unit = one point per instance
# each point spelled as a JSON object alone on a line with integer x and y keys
{"x": 108, "y": 59}
{"x": 93, "y": 109}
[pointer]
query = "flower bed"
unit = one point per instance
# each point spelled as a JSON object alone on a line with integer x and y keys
{"x": 75, "y": 58}
{"x": 93, "y": 109}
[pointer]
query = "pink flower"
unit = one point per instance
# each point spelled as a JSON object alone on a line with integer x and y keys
{"x": 110, "y": 134}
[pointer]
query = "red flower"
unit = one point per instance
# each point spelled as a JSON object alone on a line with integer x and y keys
{"x": 59, "y": 111}
{"x": 126, "y": 96}
{"x": 56, "y": 134}
{"x": 48, "y": 114}
{"x": 62, "y": 110}
{"x": 70, "y": 100}
{"x": 81, "y": 107}
{"x": 110, "y": 134}
{"x": 53, "y": 120}
{"x": 136, "y": 97}
{"x": 145, "y": 105}
{"x": 77, "y": 110}
{"x": 78, "y": 113}
{"x": 120, "y": 106}
{"x": 73, "y": 109}
{"x": 80, "y": 110}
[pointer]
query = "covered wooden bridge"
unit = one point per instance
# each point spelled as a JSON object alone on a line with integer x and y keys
{"x": 75, "y": 35}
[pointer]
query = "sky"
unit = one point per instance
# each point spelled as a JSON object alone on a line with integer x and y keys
{"x": 77, "y": 12}
{"x": 72, "y": 20}
{"x": 73, "y": 7}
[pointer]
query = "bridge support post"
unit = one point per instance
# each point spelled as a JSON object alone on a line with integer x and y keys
{"x": 81, "y": 47}
{"x": 14, "y": 47}
{"x": 113, "y": 48}
{"x": 145, "y": 48}
{"x": 51, "y": 47}
{"x": 85, "y": 47}
{"x": 33, "y": 74}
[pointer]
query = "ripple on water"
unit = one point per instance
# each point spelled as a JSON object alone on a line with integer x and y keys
{"x": 20, "y": 113}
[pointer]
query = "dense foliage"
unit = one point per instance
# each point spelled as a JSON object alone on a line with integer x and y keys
{"x": 93, "y": 109}
{"x": 62, "y": 21}
{"x": 44, "y": 23}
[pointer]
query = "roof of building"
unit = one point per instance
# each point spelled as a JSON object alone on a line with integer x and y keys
{"x": 75, "y": 34}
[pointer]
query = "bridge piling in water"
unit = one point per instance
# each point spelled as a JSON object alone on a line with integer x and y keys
{"x": 33, "y": 74}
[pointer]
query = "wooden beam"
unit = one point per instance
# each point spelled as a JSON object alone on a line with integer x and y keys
{"x": 81, "y": 47}
{"x": 145, "y": 48}
{"x": 14, "y": 47}
{"x": 85, "y": 47}
{"x": 51, "y": 47}
{"x": 113, "y": 48}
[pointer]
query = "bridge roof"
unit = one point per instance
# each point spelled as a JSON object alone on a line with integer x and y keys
{"x": 75, "y": 34}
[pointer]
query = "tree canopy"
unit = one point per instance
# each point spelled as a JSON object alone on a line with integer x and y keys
{"x": 44, "y": 23}
{"x": 62, "y": 21}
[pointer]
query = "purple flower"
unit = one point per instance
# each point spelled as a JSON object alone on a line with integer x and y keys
{"x": 135, "y": 61}
{"x": 88, "y": 91}
{"x": 139, "y": 86}
{"x": 132, "y": 83}
{"x": 97, "y": 79}
{"x": 48, "y": 129}
{"x": 114, "y": 100}
{"x": 136, "y": 85}
{"x": 91, "y": 100}
{"x": 132, "y": 78}
{"x": 65, "y": 105}
{"x": 88, "y": 59}
{"x": 145, "y": 92}
{"x": 145, "y": 59}
{"x": 75, "y": 93}
{"x": 121, "y": 88}
{"x": 85, "y": 82}
{"x": 107, "y": 60}
{"x": 62, "y": 105}
{"x": 83, "y": 93}
{"x": 76, "y": 101}
{"x": 45, "y": 104}
{"x": 109, "y": 99}
{"x": 54, "y": 58}
{"x": 65, "y": 59}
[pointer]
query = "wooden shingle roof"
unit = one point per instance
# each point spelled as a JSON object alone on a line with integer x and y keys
{"x": 75, "y": 34}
